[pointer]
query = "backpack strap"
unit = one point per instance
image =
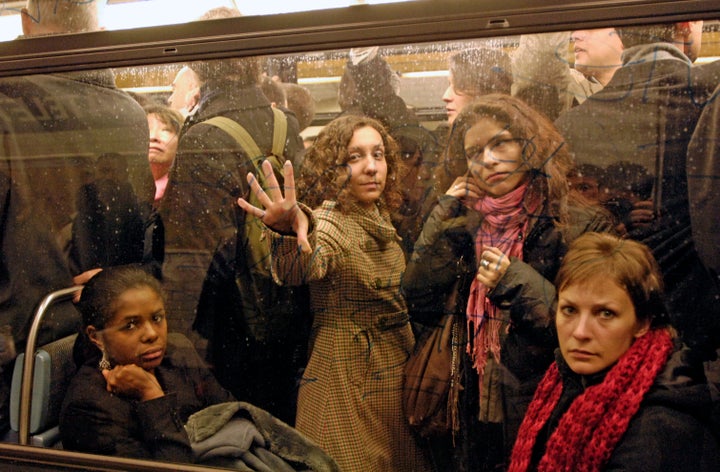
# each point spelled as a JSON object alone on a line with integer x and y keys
{"x": 279, "y": 132}
{"x": 248, "y": 144}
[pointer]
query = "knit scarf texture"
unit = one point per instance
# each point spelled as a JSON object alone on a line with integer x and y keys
{"x": 503, "y": 225}
{"x": 588, "y": 432}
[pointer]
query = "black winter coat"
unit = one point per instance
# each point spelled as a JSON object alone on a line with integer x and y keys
{"x": 96, "y": 421}
{"x": 670, "y": 431}
{"x": 641, "y": 124}
{"x": 525, "y": 296}
{"x": 256, "y": 357}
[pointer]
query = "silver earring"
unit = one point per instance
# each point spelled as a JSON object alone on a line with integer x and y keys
{"x": 104, "y": 363}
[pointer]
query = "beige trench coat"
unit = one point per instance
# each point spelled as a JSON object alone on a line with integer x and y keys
{"x": 350, "y": 394}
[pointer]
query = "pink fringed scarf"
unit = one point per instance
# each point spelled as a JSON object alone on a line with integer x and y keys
{"x": 505, "y": 220}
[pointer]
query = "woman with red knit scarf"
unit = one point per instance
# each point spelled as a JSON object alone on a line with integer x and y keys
{"x": 621, "y": 395}
{"x": 502, "y": 228}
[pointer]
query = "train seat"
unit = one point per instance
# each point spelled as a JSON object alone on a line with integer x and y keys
{"x": 54, "y": 368}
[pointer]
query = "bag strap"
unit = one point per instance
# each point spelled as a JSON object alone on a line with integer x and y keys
{"x": 248, "y": 144}
{"x": 279, "y": 132}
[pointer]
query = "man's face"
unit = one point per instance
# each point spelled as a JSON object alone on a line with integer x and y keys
{"x": 596, "y": 50}
{"x": 185, "y": 91}
{"x": 690, "y": 38}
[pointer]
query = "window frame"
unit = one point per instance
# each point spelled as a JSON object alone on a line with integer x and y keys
{"x": 354, "y": 26}
{"x": 423, "y": 21}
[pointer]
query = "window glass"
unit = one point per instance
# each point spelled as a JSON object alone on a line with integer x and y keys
{"x": 607, "y": 130}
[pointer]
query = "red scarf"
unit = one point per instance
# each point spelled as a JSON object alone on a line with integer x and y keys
{"x": 590, "y": 429}
{"x": 503, "y": 226}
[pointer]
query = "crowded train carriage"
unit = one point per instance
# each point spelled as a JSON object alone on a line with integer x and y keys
{"x": 231, "y": 231}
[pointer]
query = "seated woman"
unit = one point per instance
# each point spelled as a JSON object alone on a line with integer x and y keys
{"x": 138, "y": 395}
{"x": 621, "y": 394}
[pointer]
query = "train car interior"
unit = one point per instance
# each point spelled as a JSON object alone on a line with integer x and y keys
{"x": 313, "y": 46}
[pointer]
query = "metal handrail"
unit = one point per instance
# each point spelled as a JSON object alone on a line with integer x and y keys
{"x": 28, "y": 373}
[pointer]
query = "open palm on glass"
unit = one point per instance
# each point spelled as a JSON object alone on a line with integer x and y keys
{"x": 280, "y": 212}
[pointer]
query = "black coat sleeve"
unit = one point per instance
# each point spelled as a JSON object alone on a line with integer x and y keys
{"x": 98, "y": 422}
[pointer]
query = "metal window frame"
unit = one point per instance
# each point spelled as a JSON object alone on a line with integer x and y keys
{"x": 423, "y": 21}
{"x": 359, "y": 25}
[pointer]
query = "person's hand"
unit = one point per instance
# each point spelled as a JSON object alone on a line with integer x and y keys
{"x": 492, "y": 267}
{"x": 81, "y": 279}
{"x": 466, "y": 190}
{"x": 642, "y": 214}
{"x": 132, "y": 381}
{"x": 360, "y": 55}
{"x": 280, "y": 213}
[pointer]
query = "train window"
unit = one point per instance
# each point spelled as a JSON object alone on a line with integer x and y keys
{"x": 591, "y": 125}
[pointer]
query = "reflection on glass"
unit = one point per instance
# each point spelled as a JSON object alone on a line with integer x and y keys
{"x": 601, "y": 134}
{"x": 126, "y": 14}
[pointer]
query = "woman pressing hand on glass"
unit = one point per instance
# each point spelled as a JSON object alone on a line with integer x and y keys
{"x": 347, "y": 250}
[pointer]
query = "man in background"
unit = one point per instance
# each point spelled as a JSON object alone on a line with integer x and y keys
{"x": 54, "y": 128}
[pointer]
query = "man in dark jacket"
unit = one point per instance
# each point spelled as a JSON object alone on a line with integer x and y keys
{"x": 54, "y": 127}
{"x": 646, "y": 115}
{"x": 255, "y": 353}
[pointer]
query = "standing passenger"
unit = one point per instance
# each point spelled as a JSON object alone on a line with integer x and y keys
{"x": 300, "y": 102}
{"x": 646, "y": 115}
{"x": 502, "y": 229}
{"x": 541, "y": 63}
{"x": 621, "y": 394}
{"x": 185, "y": 92}
{"x": 255, "y": 331}
{"x": 371, "y": 88}
{"x": 472, "y": 74}
{"x": 350, "y": 397}
{"x": 165, "y": 124}
{"x": 56, "y": 124}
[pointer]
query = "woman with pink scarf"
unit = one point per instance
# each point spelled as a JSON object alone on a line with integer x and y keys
{"x": 502, "y": 229}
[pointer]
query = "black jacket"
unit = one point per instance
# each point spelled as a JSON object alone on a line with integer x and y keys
{"x": 55, "y": 128}
{"x": 644, "y": 118}
{"x": 254, "y": 356}
{"x": 96, "y": 421}
{"x": 525, "y": 295}
{"x": 670, "y": 431}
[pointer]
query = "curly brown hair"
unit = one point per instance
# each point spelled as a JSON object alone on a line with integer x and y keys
{"x": 325, "y": 161}
{"x": 544, "y": 149}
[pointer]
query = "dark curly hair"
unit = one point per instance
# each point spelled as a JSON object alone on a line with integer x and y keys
{"x": 325, "y": 161}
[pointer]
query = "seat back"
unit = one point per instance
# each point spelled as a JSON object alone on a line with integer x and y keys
{"x": 54, "y": 368}
{"x": 54, "y": 360}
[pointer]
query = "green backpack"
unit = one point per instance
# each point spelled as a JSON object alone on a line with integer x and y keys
{"x": 266, "y": 305}
{"x": 259, "y": 253}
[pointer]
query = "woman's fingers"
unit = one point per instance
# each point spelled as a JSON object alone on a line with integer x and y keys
{"x": 253, "y": 210}
{"x": 272, "y": 187}
{"x": 301, "y": 230}
{"x": 255, "y": 187}
{"x": 493, "y": 264}
{"x": 289, "y": 175}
